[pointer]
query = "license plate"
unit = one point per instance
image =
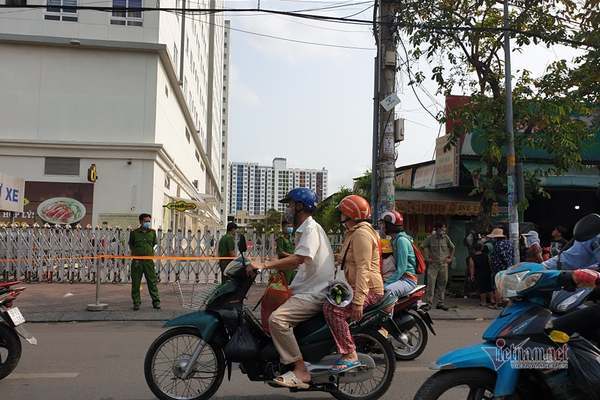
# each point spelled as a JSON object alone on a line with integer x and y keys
{"x": 16, "y": 316}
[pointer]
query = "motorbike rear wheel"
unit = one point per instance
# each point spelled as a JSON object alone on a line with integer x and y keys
{"x": 10, "y": 350}
{"x": 416, "y": 336}
{"x": 382, "y": 352}
{"x": 168, "y": 357}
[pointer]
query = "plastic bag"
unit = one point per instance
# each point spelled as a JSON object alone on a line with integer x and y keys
{"x": 584, "y": 365}
{"x": 276, "y": 293}
{"x": 243, "y": 344}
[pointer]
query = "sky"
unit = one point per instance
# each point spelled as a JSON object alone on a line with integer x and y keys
{"x": 313, "y": 104}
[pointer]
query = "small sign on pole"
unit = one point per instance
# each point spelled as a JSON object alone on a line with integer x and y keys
{"x": 390, "y": 102}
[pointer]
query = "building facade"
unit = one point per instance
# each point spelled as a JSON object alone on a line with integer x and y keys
{"x": 139, "y": 95}
{"x": 256, "y": 189}
{"x": 225, "y": 122}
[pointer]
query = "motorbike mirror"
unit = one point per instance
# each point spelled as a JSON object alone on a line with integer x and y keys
{"x": 242, "y": 246}
{"x": 587, "y": 228}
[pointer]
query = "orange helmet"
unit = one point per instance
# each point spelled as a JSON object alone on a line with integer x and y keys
{"x": 393, "y": 217}
{"x": 355, "y": 207}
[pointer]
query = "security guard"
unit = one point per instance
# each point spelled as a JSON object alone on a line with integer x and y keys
{"x": 141, "y": 243}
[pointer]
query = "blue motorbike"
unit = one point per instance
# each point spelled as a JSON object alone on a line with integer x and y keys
{"x": 519, "y": 358}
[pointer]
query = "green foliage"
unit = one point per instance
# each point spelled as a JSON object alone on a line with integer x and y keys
{"x": 269, "y": 224}
{"x": 553, "y": 112}
{"x": 327, "y": 215}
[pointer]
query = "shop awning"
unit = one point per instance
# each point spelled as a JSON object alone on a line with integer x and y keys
{"x": 588, "y": 177}
{"x": 430, "y": 202}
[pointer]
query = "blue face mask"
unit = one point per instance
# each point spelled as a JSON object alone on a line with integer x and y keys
{"x": 146, "y": 225}
{"x": 289, "y": 230}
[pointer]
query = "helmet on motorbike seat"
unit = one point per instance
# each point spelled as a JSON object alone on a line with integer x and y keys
{"x": 303, "y": 196}
{"x": 355, "y": 207}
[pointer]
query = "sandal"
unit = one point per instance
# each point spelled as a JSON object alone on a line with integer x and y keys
{"x": 290, "y": 380}
{"x": 345, "y": 366}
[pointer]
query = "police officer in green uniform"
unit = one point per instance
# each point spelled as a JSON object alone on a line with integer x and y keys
{"x": 141, "y": 243}
{"x": 285, "y": 247}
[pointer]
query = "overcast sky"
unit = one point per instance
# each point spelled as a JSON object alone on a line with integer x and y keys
{"x": 313, "y": 104}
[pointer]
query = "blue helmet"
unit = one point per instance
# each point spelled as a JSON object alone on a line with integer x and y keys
{"x": 304, "y": 196}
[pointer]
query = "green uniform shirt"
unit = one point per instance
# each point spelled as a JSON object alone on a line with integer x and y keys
{"x": 284, "y": 245}
{"x": 226, "y": 245}
{"x": 142, "y": 242}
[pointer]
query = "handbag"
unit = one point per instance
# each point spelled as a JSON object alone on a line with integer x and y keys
{"x": 276, "y": 293}
{"x": 340, "y": 285}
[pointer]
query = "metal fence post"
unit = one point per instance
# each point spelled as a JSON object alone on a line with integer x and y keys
{"x": 97, "y": 306}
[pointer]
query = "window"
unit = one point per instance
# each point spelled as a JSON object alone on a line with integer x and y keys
{"x": 122, "y": 17}
{"x": 167, "y": 182}
{"x": 16, "y": 3}
{"x": 61, "y": 166}
{"x": 187, "y": 136}
{"x": 61, "y": 9}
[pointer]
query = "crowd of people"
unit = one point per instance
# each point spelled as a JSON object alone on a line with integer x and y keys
{"x": 494, "y": 252}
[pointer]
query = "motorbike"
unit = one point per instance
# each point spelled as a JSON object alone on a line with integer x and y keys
{"x": 409, "y": 327}
{"x": 189, "y": 360}
{"x": 495, "y": 368}
{"x": 12, "y": 326}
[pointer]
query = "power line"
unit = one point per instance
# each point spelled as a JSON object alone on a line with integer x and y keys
{"x": 425, "y": 26}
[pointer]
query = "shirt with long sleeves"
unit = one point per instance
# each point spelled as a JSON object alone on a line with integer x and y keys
{"x": 142, "y": 242}
{"x": 579, "y": 255}
{"x": 404, "y": 255}
{"x": 361, "y": 262}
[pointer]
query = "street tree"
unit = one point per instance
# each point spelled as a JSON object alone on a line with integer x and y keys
{"x": 463, "y": 42}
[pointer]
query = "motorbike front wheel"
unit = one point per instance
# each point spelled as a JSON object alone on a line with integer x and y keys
{"x": 471, "y": 384}
{"x": 167, "y": 359}
{"x": 10, "y": 350}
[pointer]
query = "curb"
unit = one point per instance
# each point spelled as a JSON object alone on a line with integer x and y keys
{"x": 162, "y": 316}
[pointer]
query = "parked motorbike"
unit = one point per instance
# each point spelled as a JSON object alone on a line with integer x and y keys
{"x": 483, "y": 371}
{"x": 12, "y": 325}
{"x": 189, "y": 360}
{"x": 408, "y": 328}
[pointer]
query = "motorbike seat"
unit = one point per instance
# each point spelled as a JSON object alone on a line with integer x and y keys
{"x": 415, "y": 290}
{"x": 388, "y": 298}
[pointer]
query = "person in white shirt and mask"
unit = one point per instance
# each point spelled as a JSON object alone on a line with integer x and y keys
{"x": 313, "y": 258}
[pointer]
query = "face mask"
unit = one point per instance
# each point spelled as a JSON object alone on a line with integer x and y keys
{"x": 289, "y": 230}
{"x": 146, "y": 225}
{"x": 290, "y": 214}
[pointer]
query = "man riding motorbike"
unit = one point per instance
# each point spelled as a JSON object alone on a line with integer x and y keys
{"x": 313, "y": 258}
{"x": 360, "y": 265}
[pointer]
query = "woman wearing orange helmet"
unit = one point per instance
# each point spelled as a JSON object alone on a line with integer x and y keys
{"x": 404, "y": 278}
{"x": 360, "y": 265}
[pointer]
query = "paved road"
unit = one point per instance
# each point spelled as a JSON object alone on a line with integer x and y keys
{"x": 104, "y": 361}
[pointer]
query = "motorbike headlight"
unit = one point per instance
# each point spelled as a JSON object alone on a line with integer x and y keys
{"x": 509, "y": 285}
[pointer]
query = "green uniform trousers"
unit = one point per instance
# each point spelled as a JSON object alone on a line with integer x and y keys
{"x": 139, "y": 269}
{"x": 437, "y": 279}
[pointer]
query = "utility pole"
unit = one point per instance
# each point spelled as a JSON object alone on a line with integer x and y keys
{"x": 513, "y": 213}
{"x": 385, "y": 167}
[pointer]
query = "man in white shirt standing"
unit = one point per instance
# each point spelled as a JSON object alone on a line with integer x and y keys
{"x": 315, "y": 262}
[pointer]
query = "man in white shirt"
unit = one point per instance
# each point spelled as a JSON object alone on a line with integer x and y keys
{"x": 315, "y": 262}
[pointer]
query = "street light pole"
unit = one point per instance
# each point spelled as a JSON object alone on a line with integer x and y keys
{"x": 513, "y": 213}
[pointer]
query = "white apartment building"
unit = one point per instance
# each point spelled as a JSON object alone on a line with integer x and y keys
{"x": 255, "y": 189}
{"x": 225, "y": 122}
{"x": 140, "y": 95}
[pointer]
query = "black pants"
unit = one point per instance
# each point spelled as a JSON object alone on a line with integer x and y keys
{"x": 586, "y": 322}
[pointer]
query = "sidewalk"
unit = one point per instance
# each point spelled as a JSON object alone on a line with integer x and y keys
{"x": 61, "y": 302}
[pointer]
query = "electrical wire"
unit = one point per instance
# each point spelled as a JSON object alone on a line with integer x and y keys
{"x": 425, "y": 26}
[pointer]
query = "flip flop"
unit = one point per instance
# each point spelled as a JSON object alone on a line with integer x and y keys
{"x": 290, "y": 380}
{"x": 345, "y": 366}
